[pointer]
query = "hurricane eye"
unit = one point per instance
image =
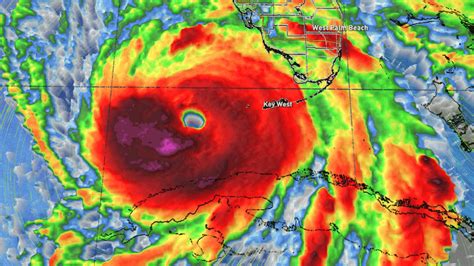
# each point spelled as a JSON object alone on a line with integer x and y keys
{"x": 193, "y": 119}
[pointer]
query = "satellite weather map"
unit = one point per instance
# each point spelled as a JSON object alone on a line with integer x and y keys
{"x": 236, "y": 132}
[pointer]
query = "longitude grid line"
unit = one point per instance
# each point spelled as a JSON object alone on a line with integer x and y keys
{"x": 107, "y": 131}
{"x": 344, "y": 45}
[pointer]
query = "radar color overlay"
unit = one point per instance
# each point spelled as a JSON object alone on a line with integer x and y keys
{"x": 236, "y": 132}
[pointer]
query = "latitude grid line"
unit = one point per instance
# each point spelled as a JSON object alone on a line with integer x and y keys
{"x": 469, "y": 89}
